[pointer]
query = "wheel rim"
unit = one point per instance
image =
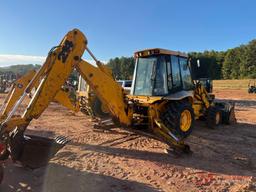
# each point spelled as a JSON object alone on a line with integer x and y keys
{"x": 217, "y": 118}
{"x": 185, "y": 120}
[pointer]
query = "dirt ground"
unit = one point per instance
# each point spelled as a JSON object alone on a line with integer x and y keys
{"x": 99, "y": 159}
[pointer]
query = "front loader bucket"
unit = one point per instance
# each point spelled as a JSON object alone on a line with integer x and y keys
{"x": 37, "y": 151}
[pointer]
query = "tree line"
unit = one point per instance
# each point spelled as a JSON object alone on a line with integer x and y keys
{"x": 235, "y": 63}
{"x": 122, "y": 67}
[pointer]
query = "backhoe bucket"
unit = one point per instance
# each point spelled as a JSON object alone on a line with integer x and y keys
{"x": 37, "y": 151}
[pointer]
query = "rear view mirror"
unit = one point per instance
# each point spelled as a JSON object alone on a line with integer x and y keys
{"x": 198, "y": 63}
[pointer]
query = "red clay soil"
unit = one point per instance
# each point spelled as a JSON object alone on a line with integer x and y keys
{"x": 101, "y": 159}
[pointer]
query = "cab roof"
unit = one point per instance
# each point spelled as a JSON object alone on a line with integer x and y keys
{"x": 158, "y": 51}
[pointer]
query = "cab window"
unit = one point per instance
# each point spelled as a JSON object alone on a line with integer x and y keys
{"x": 176, "y": 81}
{"x": 160, "y": 87}
{"x": 185, "y": 74}
{"x": 169, "y": 72}
{"x": 144, "y": 76}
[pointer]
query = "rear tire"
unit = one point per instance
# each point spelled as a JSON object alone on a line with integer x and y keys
{"x": 179, "y": 118}
{"x": 213, "y": 117}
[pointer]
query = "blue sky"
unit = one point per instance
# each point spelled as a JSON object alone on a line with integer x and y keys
{"x": 119, "y": 27}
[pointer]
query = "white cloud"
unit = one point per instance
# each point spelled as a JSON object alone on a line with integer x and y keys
{"x": 7, "y": 60}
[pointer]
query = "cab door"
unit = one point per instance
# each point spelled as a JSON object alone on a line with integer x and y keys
{"x": 174, "y": 74}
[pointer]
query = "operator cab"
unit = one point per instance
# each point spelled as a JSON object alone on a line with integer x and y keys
{"x": 201, "y": 74}
{"x": 160, "y": 72}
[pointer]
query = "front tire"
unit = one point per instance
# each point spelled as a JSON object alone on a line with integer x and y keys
{"x": 179, "y": 118}
{"x": 213, "y": 117}
{"x": 228, "y": 112}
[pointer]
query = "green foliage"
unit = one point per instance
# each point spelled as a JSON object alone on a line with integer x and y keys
{"x": 122, "y": 67}
{"x": 240, "y": 62}
{"x": 213, "y": 61}
{"x": 250, "y": 56}
{"x": 231, "y": 63}
{"x": 236, "y": 63}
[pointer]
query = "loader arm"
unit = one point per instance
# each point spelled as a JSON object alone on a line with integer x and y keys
{"x": 201, "y": 95}
{"x": 52, "y": 75}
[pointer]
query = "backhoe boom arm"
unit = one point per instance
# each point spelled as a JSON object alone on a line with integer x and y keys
{"x": 59, "y": 64}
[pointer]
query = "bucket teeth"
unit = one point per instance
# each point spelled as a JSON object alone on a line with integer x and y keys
{"x": 61, "y": 140}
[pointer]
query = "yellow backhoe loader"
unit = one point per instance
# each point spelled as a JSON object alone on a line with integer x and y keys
{"x": 163, "y": 101}
{"x": 204, "y": 104}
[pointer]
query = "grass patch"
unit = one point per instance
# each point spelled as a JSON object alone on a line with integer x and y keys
{"x": 231, "y": 84}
